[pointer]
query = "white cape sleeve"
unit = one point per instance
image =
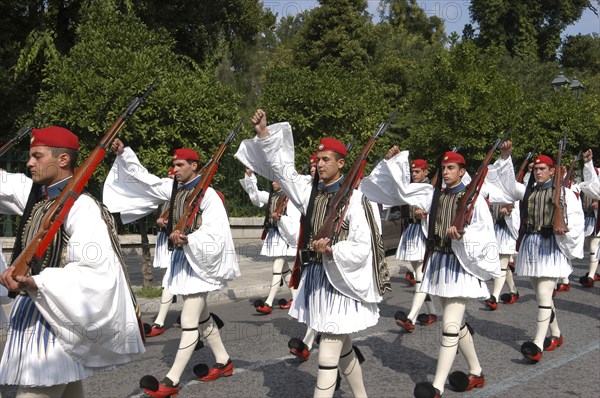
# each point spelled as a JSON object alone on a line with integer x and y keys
{"x": 131, "y": 190}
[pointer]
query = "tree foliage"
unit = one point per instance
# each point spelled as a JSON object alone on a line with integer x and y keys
{"x": 525, "y": 27}
{"x": 115, "y": 58}
{"x": 581, "y": 52}
{"x": 337, "y": 32}
{"x": 407, "y": 16}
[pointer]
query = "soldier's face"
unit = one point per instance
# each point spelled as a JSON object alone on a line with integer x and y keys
{"x": 542, "y": 173}
{"x": 419, "y": 175}
{"x": 452, "y": 174}
{"x": 184, "y": 171}
{"x": 329, "y": 166}
{"x": 46, "y": 169}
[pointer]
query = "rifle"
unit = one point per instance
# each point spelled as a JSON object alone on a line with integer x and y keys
{"x": 192, "y": 203}
{"x": 568, "y": 180}
{"x": 334, "y": 214}
{"x": 32, "y": 254}
{"x": 467, "y": 202}
{"x": 23, "y": 132}
{"x": 558, "y": 221}
{"x": 521, "y": 172}
{"x": 439, "y": 170}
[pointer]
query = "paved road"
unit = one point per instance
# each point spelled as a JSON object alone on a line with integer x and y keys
{"x": 395, "y": 361}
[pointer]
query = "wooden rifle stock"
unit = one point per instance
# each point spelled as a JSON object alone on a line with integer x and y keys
{"x": 333, "y": 215}
{"x": 23, "y": 132}
{"x": 193, "y": 201}
{"x": 467, "y": 202}
{"x": 32, "y": 254}
{"x": 568, "y": 180}
{"x": 558, "y": 222}
{"x": 521, "y": 173}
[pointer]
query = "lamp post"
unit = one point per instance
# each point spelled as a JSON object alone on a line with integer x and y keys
{"x": 561, "y": 81}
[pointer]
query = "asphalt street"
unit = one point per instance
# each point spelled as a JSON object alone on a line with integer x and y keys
{"x": 395, "y": 360}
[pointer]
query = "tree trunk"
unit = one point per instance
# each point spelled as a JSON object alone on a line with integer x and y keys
{"x": 146, "y": 258}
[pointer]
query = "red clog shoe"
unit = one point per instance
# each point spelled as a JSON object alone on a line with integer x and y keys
{"x": 219, "y": 370}
{"x": 410, "y": 278}
{"x": 152, "y": 387}
{"x": 552, "y": 342}
{"x": 509, "y": 298}
{"x": 285, "y": 304}
{"x": 531, "y": 352}
{"x": 461, "y": 381}
{"x": 426, "y": 319}
{"x": 491, "y": 303}
{"x": 403, "y": 321}
{"x": 299, "y": 349}
{"x": 154, "y": 330}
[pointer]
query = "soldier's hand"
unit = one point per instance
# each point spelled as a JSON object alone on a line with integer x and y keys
{"x": 178, "y": 238}
{"x": 14, "y": 283}
{"x": 420, "y": 213}
{"x": 249, "y": 172}
{"x": 587, "y": 156}
{"x": 453, "y": 233}
{"x": 161, "y": 222}
{"x": 322, "y": 246}
{"x": 393, "y": 151}
{"x": 117, "y": 147}
{"x": 259, "y": 121}
{"x": 506, "y": 149}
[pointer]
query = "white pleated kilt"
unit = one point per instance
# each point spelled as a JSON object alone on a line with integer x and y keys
{"x": 181, "y": 278}
{"x": 32, "y": 355}
{"x": 539, "y": 257}
{"x": 506, "y": 242}
{"x": 590, "y": 225}
{"x": 323, "y": 308}
{"x": 412, "y": 244}
{"x": 275, "y": 246}
{"x": 445, "y": 277}
{"x": 162, "y": 255}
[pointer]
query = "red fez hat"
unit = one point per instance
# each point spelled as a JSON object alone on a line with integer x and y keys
{"x": 313, "y": 158}
{"x": 55, "y": 137}
{"x": 331, "y": 144}
{"x": 453, "y": 157}
{"x": 419, "y": 164}
{"x": 186, "y": 154}
{"x": 543, "y": 159}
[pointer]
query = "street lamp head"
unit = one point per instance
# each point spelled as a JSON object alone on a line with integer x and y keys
{"x": 577, "y": 86}
{"x": 559, "y": 81}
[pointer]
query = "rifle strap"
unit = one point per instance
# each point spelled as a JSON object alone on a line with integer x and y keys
{"x": 35, "y": 195}
{"x": 380, "y": 268}
{"x": 307, "y": 225}
{"x": 171, "y": 208}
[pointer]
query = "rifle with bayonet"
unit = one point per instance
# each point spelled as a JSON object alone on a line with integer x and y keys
{"x": 22, "y": 133}
{"x": 32, "y": 255}
{"x": 558, "y": 222}
{"x": 334, "y": 214}
{"x": 467, "y": 203}
{"x": 521, "y": 173}
{"x": 192, "y": 203}
{"x": 568, "y": 180}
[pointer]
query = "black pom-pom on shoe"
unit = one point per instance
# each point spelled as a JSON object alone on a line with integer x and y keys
{"x": 459, "y": 381}
{"x": 149, "y": 382}
{"x": 201, "y": 370}
{"x": 426, "y": 390}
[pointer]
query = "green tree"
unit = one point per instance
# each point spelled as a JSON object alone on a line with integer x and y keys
{"x": 328, "y": 101}
{"x": 581, "y": 52}
{"x": 337, "y": 32}
{"x": 525, "y": 27}
{"x": 200, "y": 27}
{"x": 407, "y": 16}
